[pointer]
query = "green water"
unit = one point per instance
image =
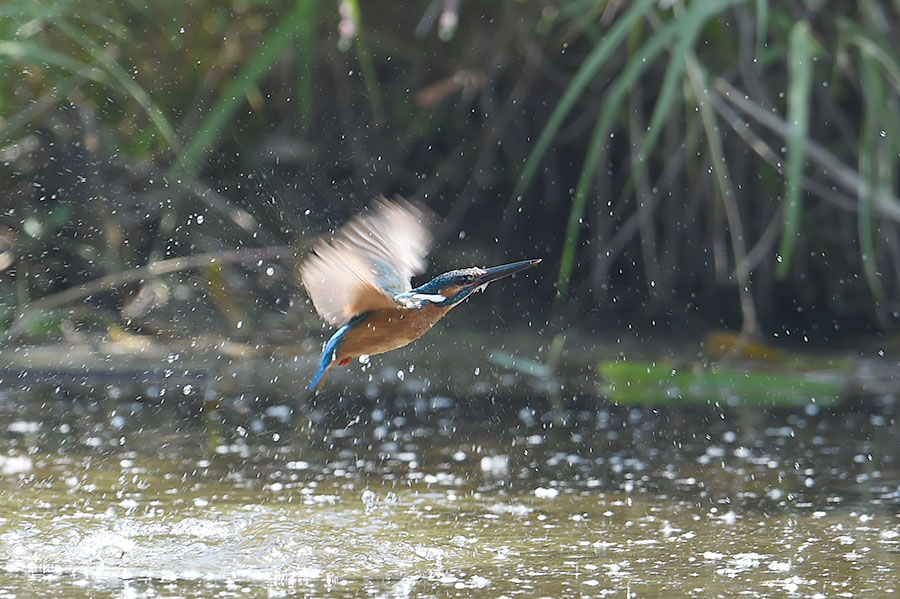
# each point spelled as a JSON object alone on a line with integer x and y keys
{"x": 434, "y": 498}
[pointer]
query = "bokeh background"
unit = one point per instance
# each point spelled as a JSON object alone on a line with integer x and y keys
{"x": 694, "y": 395}
{"x": 681, "y": 166}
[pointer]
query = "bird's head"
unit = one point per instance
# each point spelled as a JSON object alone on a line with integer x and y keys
{"x": 457, "y": 285}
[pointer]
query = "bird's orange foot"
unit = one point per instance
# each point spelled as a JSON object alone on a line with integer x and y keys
{"x": 344, "y": 362}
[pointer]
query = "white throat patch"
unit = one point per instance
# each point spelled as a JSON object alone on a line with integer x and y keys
{"x": 434, "y": 298}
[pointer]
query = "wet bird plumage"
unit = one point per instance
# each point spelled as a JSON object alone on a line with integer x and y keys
{"x": 360, "y": 282}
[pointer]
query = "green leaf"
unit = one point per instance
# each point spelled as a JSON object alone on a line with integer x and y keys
{"x": 649, "y": 383}
{"x": 872, "y": 163}
{"x": 124, "y": 79}
{"x": 30, "y": 52}
{"x": 687, "y": 26}
{"x": 232, "y": 96}
{"x": 235, "y": 92}
{"x": 366, "y": 67}
{"x": 598, "y": 56}
{"x": 800, "y": 73}
{"x": 762, "y": 21}
{"x": 306, "y": 54}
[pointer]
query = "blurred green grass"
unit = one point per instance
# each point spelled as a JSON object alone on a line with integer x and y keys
{"x": 650, "y": 383}
{"x": 727, "y": 162}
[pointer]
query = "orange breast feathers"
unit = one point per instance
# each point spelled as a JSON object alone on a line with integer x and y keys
{"x": 384, "y": 330}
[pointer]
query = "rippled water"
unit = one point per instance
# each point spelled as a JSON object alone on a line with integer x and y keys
{"x": 429, "y": 497}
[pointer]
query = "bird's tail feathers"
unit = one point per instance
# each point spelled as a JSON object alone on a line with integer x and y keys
{"x": 321, "y": 373}
{"x": 329, "y": 355}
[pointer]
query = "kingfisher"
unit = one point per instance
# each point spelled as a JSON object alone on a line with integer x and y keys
{"x": 360, "y": 282}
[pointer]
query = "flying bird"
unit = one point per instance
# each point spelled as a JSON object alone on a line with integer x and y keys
{"x": 360, "y": 282}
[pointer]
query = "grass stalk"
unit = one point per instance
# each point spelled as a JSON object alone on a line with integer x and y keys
{"x": 800, "y": 73}
{"x": 871, "y": 157}
{"x": 125, "y": 81}
{"x": 582, "y": 78}
{"x": 306, "y": 53}
{"x": 694, "y": 17}
{"x": 699, "y": 84}
{"x": 29, "y": 310}
{"x": 232, "y": 96}
{"x": 843, "y": 175}
{"x": 366, "y": 65}
{"x": 762, "y": 22}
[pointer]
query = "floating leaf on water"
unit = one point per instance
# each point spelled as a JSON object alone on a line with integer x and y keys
{"x": 721, "y": 344}
{"x": 519, "y": 364}
{"x": 646, "y": 383}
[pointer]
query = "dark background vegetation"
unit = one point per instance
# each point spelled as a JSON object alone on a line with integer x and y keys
{"x": 681, "y": 166}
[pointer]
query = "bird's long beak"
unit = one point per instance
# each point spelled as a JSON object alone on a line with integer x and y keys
{"x": 505, "y": 270}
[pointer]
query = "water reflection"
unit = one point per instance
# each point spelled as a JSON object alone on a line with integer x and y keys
{"x": 429, "y": 497}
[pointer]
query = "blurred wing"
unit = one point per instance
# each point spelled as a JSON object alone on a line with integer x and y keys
{"x": 370, "y": 260}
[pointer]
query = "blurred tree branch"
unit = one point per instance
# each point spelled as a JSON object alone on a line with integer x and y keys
{"x": 153, "y": 269}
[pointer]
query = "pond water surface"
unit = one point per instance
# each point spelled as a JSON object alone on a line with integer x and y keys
{"x": 431, "y": 497}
